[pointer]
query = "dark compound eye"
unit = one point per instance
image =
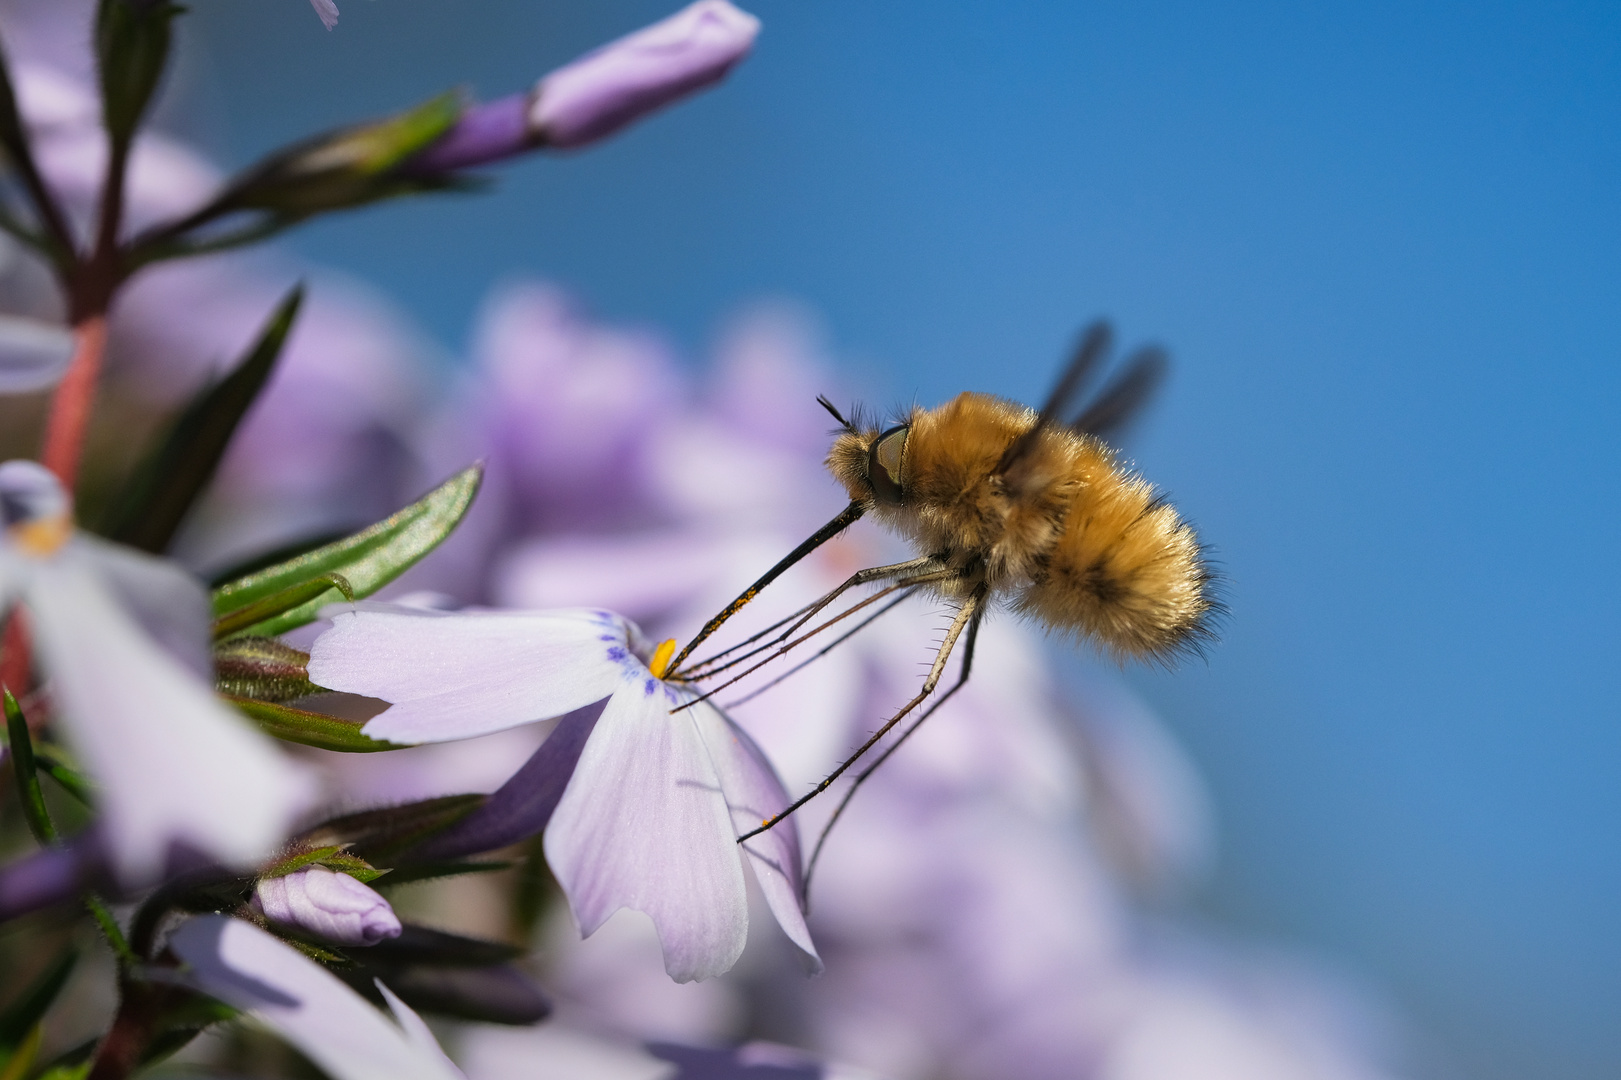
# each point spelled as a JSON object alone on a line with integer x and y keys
{"x": 884, "y": 464}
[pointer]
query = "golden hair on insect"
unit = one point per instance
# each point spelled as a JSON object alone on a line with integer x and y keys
{"x": 1011, "y": 505}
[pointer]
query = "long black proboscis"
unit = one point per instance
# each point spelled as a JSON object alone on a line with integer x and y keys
{"x": 847, "y": 517}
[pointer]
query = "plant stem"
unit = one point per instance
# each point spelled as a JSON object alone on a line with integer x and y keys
{"x": 70, "y": 409}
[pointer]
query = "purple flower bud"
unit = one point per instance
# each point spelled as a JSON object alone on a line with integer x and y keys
{"x": 600, "y": 92}
{"x": 328, "y": 905}
{"x": 606, "y": 89}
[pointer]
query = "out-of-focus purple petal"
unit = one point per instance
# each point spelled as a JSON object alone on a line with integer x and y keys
{"x": 454, "y": 675}
{"x": 327, "y": 11}
{"x": 625, "y": 80}
{"x": 754, "y": 794}
{"x": 523, "y": 805}
{"x": 170, "y": 604}
{"x": 172, "y": 761}
{"x": 644, "y": 825}
{"x": 752, "y": 1061}
{"x": 329, "y": 905}
{"x": 246, "y": 968}
{"x": 553, "y": 1050}
{"x": 485, "y": 132}
{"x": 33, "y": 353}
{"x": 50, "y": 875}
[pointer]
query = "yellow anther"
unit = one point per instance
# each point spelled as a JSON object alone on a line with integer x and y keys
{"x": 661, "y": 658}
{"x": 43, "y": 536}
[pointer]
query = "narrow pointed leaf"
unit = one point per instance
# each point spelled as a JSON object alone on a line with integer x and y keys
{"x": 174, "y": 474}
{"x": 132, "y": 49}
{"x": 22, "y": 760}
{"x": 376, "y": 835}
{"x": 368, "y": 560}
{"x": 54, "y": 762}
{"x": 20, "y": 1017}
{"x": 309, "y": 728}
{"x": 279, "y": 603}
{"x": 430, "y": 871}
{"x": 262, "y": 668}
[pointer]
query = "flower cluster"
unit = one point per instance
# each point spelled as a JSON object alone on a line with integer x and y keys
{"x": 235, "y": 783}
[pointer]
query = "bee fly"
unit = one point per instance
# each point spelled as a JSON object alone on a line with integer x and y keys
{"x": 1007, "y": 504}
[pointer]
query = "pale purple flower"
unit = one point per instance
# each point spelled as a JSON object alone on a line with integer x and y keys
{"x": 327, "y": 11}
{"x": 650, "y": 815}
{"x": 327, "y": 904}
{"x": 301, "y": 1001}
{"x": 33, "y": 353}
{"x": 174, "y": 765}
{"x": 626, "y": 79}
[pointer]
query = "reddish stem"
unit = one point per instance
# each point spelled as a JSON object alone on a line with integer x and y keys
{"x": 70, "y": 410}
{"x": 14, "y": 670}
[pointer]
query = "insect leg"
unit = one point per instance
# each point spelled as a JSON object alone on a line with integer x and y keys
{"x": 962, "y": 679}
{"x": 965, "y": 615}
{"x": 903, "y": 583}
{"x": 703, "y": 669}
{"x": 824, "y": 650}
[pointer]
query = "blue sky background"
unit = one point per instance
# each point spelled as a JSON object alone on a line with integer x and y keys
{"x": 1383, "y": 243}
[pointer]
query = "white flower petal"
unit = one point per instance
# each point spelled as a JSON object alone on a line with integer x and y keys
{"x": 643, "y": 825}
{"x": 33, "y": 354}
{"x": 304, "y": 1003}
{"x": 755, "y": 794}
{"x": 417, "y": 1032}
{"x": 454, "y": 675}
{"x": 173, "y": 762}
{"x": 170, "y": 604}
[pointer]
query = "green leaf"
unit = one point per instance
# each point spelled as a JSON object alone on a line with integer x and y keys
{"x": 132, "y": 48}
{"x": 376, "y": 835}
{"x": 262, "y": 668}
{"x": 356, "y": 867}
{"x": 284, "y": 866}
{"x": 334, "y": 171}
{"x": 179, "y": 467}
{"x": 369, "y": 559}
{"x": 279, "y": 603}
{"x": 431, "y": 871}
{"x": 21, "y": 1016}
{"x": 54, "y": 762}
{"x": 22, "y": 760}
{"x": 310, "y": 728}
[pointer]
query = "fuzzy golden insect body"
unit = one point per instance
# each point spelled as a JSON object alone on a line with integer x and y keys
{"x": 1064, "y": 534}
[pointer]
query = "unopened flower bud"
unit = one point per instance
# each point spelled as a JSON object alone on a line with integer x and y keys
{"x": 328, "y": 905}
{"x": 600, "y": 92}
{"x": 624, "y": 80}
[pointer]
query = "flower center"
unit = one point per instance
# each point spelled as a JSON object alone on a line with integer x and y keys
{"x": 42, "y": 536}
{"x": 661, "y": 658}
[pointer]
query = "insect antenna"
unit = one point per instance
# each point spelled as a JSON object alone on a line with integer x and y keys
{"x": 969, "y": 612}
{"x": 846, "y": 517}
{"x": 1089, "y": 353}
{"x": 1118, "y": 403}
{"x": 821, "y": 399}
{"x": 823, "y": 651}
{"x": 861, "y": 777}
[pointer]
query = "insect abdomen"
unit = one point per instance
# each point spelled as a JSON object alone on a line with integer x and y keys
{"x": 1125, "y": 570}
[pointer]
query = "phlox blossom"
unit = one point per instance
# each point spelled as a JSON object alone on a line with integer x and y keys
{"x": 651, "y": 813}
{"x": 122, "y": 638}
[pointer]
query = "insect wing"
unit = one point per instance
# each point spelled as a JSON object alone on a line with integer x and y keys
{"x": 1083, "y": 366}
{"x": 1118, "y": 404}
